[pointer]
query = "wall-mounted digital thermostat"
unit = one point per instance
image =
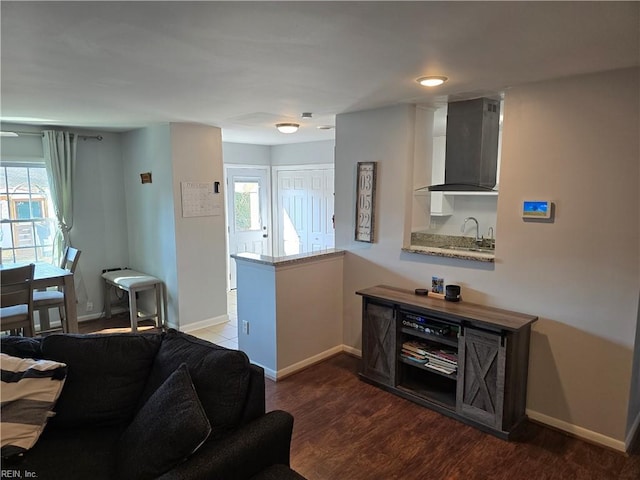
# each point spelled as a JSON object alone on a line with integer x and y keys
{"x": 536, "y": 209}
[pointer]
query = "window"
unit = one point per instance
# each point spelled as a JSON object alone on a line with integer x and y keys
{"x": 27, "y": 219}
{"x": 247, "y": 205}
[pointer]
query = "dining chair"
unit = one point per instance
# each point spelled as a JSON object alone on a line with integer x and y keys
{"x": 16, "y": 299}
{"x": 43, "y": 300}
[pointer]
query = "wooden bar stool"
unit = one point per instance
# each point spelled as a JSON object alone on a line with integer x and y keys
{"x": 133, "y": 282}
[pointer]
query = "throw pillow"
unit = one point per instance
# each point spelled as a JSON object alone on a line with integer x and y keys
{"x": 107, "y": 374}
{"x": 166, "y": 431}
{"x": 220, "y": 376}
{"x": 29, "y": 391}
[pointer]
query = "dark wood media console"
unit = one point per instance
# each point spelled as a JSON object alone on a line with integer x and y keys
{"x": 467, "y": 361}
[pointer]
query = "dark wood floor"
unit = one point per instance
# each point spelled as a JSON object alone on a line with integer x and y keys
{"x": 346, "y": 429}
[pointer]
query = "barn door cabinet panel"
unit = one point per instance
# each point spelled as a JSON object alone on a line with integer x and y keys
{"x": 479, "y": 375}
{"x": 481, "y": 383}
{"x": 379, "y": 341}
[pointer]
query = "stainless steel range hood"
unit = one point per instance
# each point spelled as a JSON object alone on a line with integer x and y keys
{"x": 471, "y": 158}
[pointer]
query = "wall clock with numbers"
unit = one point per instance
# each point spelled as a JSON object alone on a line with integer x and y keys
{"x": 365, "y": 204}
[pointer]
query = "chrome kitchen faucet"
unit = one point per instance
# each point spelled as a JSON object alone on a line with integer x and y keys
{"x": 478, "y": 238}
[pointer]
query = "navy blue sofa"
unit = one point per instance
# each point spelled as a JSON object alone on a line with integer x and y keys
{"x": 124, "y": 411}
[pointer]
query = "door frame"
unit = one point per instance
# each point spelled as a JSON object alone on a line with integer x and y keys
{"x": 269, "y": 209}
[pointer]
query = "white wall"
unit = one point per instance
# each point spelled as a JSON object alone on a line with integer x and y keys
{"x": 150, "y": 208}
{"x": 308, "y": 314}
{"x": 188, "y": 254}
{"x": 583, "y": 280}
{"x": 575, "y": 141}
{"x": 200, "y": 241}
{"x": 100, "y": 224}
{"x": 245, "y": 154}
{"x": 483, "y": 208}
{"x": 309, "y": 153}
{"x": 292, "y": 322}
{"x": 633, "y": 417}
{"x": 256, "y": 299}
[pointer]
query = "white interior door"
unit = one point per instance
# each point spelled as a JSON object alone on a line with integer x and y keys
{"x": 305, "y": 210}
{"x": 247, "y": 214}
{"x": 292, "y": 211}
{"x": 321, "y": 230}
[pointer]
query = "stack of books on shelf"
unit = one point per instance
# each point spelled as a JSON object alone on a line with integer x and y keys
{"x": 436, "y": 358}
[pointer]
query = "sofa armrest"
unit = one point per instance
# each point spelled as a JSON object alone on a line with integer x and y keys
{"x": 255, "y": 405}
{"x": 245, "y": 452}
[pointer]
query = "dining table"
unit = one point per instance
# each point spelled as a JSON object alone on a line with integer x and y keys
{"x": 48, "y": 275}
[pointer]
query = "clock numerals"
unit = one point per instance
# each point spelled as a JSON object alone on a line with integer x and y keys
{"x": 365, "y": 201}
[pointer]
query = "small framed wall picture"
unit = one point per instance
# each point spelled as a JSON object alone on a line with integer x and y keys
{"x": 365, "y": 201}
{"x": 145, "y": 177}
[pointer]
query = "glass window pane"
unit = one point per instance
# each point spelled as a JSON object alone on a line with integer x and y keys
{"x": 247, "y": 206}
{"x": 23, "y": 209}
{"x": 24, "y": 255}
{"x": 4, "y": 202}
{"x": 17, "y": 180}
{"x": 23, "y": 234}
{"x": 26, "y": 209}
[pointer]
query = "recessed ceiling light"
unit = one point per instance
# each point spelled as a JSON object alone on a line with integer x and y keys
{"x": 287, "y": 127}
{"x": 325, "y": 127}
{"x": 432, "y": 80}
{"x": 306, "y": 115}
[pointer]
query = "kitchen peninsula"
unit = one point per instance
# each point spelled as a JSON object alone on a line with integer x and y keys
{"x": 289, "y": 309}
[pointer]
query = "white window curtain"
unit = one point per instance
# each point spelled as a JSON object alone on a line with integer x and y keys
{"x": 60, "y": 160}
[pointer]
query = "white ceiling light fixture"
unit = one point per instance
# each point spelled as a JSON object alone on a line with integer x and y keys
{"x": 287, "y": 127}
{"x": 8, "y": 134}
{"x": 431, "y": 80}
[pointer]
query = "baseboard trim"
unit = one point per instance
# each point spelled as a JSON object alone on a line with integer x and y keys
{"x": 96, "y": 316}
{"x": 270, "y": 374}
{"x": 307, "y": 362}
{"x": 352, "y": 351}
{"x": 190, "y": 327}
{"x": 631, "y": 434}
{"x": 207, "y": 322}
{"x": 576, "y": 431}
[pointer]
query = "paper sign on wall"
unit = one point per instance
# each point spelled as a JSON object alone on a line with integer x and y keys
{"x": 199, "y": 200}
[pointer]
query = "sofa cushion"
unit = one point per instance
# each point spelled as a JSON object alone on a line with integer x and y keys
{"x": 166, "y": 431}
{"x": 72, "y": 454}
{"x": 29, "y": 391}
{"x": 106, "y": 376}
{"x": 220, "y": 377}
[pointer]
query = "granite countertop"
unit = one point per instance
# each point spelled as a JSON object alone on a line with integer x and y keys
{"x": 288, "y": 259}
{"x": 464, "y": 248}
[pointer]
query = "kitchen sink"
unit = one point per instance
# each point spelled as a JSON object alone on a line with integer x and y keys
{"x": 469, "y": 249}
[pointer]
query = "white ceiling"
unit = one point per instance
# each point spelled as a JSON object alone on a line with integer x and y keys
{"x": 243, "y": 66}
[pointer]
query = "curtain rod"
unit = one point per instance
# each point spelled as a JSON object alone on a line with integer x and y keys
{"x": 84, "y": 137}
